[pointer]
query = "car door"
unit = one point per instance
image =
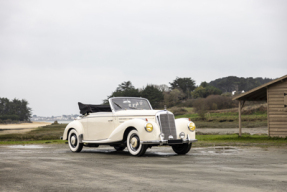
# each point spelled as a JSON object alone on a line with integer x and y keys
{"x": 100, "y": 125}
{"x": 84, "y": 122}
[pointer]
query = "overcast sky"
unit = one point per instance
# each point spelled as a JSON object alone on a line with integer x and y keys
{"x": 56, "y": 53}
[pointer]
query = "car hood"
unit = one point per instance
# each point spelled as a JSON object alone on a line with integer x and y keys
{"x": 136, "y": 112}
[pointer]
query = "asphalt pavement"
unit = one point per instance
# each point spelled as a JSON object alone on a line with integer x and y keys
{"x": 55, "y": 168}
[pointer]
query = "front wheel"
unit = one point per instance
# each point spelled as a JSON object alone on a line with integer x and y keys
{"x": 133, "y": 143}
{"x": 73, "y": 141}
{"x": 181, "y": 149}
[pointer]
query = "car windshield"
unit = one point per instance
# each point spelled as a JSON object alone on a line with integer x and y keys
{"x": 130, "y": 104}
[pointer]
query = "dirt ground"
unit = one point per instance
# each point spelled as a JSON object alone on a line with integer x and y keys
{"x": 54, "y": 168}
{"x": 20, "y": 128}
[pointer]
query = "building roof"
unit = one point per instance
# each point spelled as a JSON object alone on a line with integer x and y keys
{"x": 258, "y": 93}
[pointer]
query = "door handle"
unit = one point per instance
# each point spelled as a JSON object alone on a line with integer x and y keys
{"x": 110, "y": 120}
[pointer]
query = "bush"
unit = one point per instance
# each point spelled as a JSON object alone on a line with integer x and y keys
{"x": 204, "y": 90}
{"x": 260, "y": 110}
{"x": 187, "y": 103}
{"x": 227, "y": 94}
{"x": 55, "y": 123}
{"x": 200, "y": 107}
{"x": 215, "y": 102}
{"x": 178, "y": 111}
{"x": 8, "y": 121}
{"x": 212, "y": 102}
{"x": 173, "y": 97}
{"x": 11, "y": 117}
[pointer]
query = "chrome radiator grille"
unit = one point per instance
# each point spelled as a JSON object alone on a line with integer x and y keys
{"x": 168, "y": 125}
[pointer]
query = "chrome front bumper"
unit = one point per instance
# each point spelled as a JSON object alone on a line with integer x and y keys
{"x": 168, "y": 142}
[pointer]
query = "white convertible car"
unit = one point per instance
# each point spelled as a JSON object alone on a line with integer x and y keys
{"x": 129, "y": 122}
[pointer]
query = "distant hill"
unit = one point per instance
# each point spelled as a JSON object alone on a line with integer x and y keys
{"x": 232, "y": 83}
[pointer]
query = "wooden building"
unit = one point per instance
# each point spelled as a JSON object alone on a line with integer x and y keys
{"x": 275, "y": 94}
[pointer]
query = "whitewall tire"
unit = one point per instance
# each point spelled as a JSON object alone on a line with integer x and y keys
{"x": 73, "y": 140}
{"x": 135, "y": 148}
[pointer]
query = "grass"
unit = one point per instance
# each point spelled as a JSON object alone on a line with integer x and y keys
{"x": 226, "y": 124}
{"x": 235, "y": 140}
{"x": 227, "y": 120}
{"x": 189, "y": 109}
{"x": 225, "y": 116}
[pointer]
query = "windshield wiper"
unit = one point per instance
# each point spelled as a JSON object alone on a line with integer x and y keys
{"x": 117, "y": 105}
{"x": 132, "y": 108}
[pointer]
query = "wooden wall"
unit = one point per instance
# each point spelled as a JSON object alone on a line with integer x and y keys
{"x": 277, "y": 112}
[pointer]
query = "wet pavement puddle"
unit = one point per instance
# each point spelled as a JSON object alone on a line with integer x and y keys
{"x": 27, "y": 146}
{"x": 217, "y": 150}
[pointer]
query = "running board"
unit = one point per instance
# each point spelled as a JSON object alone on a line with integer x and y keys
{"x": 99, "y": 141}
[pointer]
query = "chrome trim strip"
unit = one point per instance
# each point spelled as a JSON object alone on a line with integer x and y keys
{"x": 157, "y": 115}
{"x": 158, "y": 119}
{"x": 111, "y": 106}
{"x": 169, "y": 125}
{"x": 166, "y": 141}
{"x": 151, "y": 142}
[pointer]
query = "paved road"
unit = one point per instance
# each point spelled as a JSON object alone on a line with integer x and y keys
{"x": 55, "y": 168}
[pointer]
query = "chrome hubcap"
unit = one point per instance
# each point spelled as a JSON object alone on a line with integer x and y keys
{"x": 73, "y": 140}
{"x": 134, "y": 142}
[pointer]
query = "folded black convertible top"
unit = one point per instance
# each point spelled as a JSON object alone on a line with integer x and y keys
{"x": 87, "y": 108}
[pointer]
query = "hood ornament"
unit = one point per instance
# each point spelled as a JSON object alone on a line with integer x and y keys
{"x": 165, "y": 107}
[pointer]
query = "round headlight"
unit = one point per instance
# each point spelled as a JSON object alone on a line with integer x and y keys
{"x": 149, "y": 127}
{"x": 191, "y": 126}
{"x": 182, "y": 135}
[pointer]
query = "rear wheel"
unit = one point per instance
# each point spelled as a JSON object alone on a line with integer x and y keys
{"x": 73, "y": 141}
{"x": 181, "y": 149}
{"x": 133, "y": 143}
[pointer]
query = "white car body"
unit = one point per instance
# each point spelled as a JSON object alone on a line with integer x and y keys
{"x": 112, "y": 128}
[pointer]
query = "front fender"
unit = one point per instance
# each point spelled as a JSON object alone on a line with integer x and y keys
{"x": 77, "y": 125}
{"x": 182, "y": 126}
{"x": 139, "y": 125}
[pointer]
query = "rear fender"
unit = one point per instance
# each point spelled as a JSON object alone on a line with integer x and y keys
{"x": 77, "y": 125}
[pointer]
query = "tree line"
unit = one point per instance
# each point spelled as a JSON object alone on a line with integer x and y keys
{"x": 14, "y": 110}
{"x": 233, "y": 83}
{"x": 183, "y": 91}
